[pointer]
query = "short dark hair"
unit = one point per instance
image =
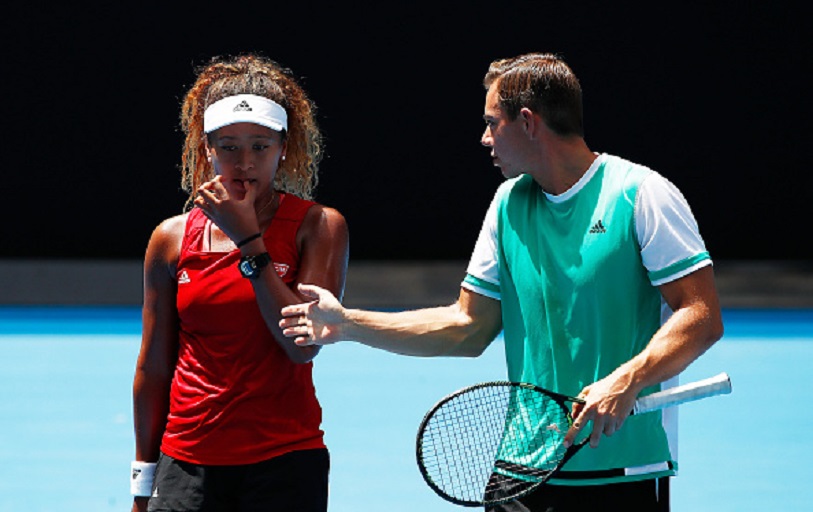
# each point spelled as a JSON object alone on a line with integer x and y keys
{"x": 543, "y": 83}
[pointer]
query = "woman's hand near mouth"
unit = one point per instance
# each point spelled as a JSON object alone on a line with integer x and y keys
{"x": 230, "y": 210}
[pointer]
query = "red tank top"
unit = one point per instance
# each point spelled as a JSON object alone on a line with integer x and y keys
{"x": 236, "y": 398}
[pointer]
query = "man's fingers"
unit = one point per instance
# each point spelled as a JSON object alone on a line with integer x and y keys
{"x": 572, "y": 432}
{"x": 310, "y": 291}
{"x": 294, "y": 310}
{"x": 291, "y": 320}
{"x": 595, "y": 438}
{"x": 303, "y": 341}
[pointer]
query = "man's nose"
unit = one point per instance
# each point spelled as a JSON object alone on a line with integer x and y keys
{"x": 485, "y": 139}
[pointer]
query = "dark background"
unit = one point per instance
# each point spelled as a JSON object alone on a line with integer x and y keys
{"x": 716, "y": 98}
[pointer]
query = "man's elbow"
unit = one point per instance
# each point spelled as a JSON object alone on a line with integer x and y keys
{"x": 472, "y": 346}
{"x": 466, "y": 350}
{"x": 711, "y": 328}
{"x": 717, "y": 329}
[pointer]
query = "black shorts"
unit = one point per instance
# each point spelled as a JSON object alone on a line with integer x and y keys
{"x": 294, "y": 481}
{"x": 647, "y": 495}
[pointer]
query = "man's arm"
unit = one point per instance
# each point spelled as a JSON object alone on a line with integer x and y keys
{"x": 695, "y": 325}
{"x": 463, "y": 329}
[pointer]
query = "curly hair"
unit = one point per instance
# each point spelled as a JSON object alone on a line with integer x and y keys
{"x": 543, "y": 83}
{"x": 252, "y": 74}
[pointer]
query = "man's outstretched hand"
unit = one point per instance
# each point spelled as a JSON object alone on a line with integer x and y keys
{"x": 316, "y": 322}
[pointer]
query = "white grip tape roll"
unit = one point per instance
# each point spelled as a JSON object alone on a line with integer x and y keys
{"x": 717, "y": 385}
{"x": 141, "y": 477}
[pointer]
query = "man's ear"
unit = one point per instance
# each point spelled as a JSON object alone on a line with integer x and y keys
{"x": 530, "y": 121}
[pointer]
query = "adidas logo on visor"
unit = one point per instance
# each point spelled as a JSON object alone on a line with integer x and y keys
{"x": 243, "y": 106}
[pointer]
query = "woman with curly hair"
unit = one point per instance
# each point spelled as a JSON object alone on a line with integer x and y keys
{"x": 226, "y": 416}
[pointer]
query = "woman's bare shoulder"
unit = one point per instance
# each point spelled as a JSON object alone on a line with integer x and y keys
{"x": 165, "y": 242}
{"x": 171, "y": 228}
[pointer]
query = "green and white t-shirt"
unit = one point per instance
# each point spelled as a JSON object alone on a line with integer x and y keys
{"x": 577, "y": 277}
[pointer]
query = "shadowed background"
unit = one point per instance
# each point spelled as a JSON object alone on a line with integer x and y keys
{"x": 712, "y": 96}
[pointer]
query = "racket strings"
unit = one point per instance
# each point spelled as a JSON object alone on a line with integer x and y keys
{"x": 493, "y": 442}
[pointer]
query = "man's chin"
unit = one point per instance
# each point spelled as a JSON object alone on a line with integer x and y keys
{"x": 508, "y": 173}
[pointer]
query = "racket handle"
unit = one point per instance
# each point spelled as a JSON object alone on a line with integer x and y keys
{"x": 718, "y": 385}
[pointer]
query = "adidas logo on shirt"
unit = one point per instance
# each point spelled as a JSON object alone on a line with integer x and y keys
{"x": 184, "y": 278}
{"x": 598, "y": 227}
{"x": 243, "y": 106}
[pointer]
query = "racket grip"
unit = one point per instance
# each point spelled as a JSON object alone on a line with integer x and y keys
{"x": 718, "y": 385}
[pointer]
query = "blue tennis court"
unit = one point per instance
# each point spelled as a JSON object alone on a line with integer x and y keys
{"x": 66, "y": 421}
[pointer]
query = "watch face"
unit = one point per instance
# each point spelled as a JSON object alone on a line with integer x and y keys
{"x": 252, "y": 266}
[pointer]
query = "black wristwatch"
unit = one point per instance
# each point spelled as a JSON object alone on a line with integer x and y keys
{"x": 252, "y": 266}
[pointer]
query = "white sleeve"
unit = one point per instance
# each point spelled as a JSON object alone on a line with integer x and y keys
{"x": 483, "y": 272}
{"x": 671, "y": 245}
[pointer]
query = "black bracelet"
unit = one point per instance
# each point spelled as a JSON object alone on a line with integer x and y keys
{"x": 243, "y": 242}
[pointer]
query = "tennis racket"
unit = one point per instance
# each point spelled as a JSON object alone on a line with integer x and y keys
{"x": 496, "y": 441}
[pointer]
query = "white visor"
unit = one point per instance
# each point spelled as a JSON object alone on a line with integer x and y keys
{"x": 245, "y": 108}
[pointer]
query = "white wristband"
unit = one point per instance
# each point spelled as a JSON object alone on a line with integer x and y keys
{"x": 141, "y": 477}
